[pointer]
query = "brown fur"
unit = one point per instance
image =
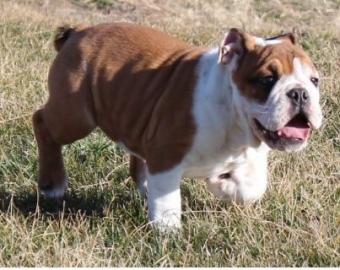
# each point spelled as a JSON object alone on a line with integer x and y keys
{"x": 133, "y": 82}
{"x": 258, "y": 61}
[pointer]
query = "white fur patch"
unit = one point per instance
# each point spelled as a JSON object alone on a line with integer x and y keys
{"x": 223, "y": 133}
{"x": 302, "y": 74}
{"x": 164, "y": 199}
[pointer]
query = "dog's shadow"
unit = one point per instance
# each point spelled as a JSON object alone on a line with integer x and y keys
{"x": 29, "y": 203}
{"x": 92, "y": 204}
{"x": 127, "y": 202}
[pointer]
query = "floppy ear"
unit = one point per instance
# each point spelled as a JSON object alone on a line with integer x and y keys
{"x": 234, "y": 44}
{"x": 287, "y": 36}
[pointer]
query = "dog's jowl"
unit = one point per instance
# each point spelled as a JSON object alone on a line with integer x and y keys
{"x": 179, "y": 110}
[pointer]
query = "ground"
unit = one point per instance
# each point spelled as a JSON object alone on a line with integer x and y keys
{"x": 102, "y": 221}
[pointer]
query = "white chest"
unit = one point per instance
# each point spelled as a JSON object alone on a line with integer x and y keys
{"x": 222, "y": 135}
{"x": 215, "y": 148}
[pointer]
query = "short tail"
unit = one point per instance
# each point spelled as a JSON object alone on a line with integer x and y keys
{"x": 62, "y": 34}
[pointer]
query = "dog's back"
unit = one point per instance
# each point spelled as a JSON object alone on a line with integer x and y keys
{"x": 131, "y": 81}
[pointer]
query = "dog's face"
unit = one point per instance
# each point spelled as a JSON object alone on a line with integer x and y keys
{"x": 279, "y": 87}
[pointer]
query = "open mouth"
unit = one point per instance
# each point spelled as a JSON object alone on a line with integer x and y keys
{"x": 296, "y": 131}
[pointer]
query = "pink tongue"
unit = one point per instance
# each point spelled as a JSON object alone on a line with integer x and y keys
{"x": 294, "y": 132}
{"x": 295, "y": 129}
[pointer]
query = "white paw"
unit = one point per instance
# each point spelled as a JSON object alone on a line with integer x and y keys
{"x": 55, "y": 193}
{"x": 167, "y": 223}
{"x": 224, "y": 189}
{"x": 236, "y": 189}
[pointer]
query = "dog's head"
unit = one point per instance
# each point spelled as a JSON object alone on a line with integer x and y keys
{"x": 278, "y": 85}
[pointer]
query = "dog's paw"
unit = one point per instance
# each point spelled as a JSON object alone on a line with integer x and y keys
{"x": 54, "y": 192}
{"x": 223, "y": 187}
{"x": 237, "y": 188}
{"x": 170, "y": 223}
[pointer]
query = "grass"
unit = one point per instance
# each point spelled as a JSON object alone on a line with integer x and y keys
{"x": 102, "y": 221}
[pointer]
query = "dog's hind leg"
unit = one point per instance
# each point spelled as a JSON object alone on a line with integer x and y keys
{"x": 52, "y": 178}
{"x": 51, "y": 133}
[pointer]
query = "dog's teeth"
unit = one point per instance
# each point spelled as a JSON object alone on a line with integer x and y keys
{"x": 279, "y": 132}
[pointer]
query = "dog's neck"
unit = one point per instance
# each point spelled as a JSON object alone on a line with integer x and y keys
{"x": 219, "y": 96}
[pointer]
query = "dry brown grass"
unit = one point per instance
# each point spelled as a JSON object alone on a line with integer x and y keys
{"x": 102, "y": 220}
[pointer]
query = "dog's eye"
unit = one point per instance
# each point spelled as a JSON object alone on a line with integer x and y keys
{"x": 266, "y": 82}
{"x": 315, "y": 81}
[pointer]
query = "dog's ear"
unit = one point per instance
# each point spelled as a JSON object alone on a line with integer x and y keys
{"x": 287, "y": 36}
{"x": 234, "y": 44}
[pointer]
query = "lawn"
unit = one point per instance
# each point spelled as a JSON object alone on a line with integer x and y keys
{"x": 102, "y": 220}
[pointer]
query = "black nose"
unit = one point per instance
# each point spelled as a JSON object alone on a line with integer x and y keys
{"x": 299, "y": 96}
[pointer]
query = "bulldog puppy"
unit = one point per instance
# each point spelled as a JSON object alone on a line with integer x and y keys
{"x": 178, "y": 110}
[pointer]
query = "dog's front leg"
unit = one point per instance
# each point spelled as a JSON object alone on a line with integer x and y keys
{"x": 164, "y": 199}
{"x": 245, "y": 183}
